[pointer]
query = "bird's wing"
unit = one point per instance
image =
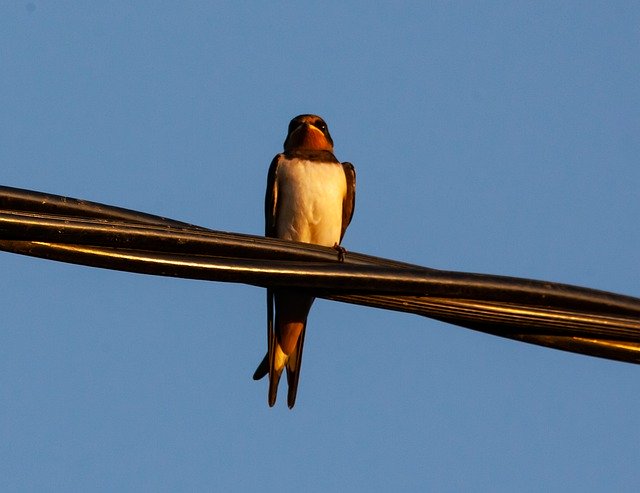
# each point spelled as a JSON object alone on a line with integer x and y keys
{"x": 349, "y": 203}
{"x": 270, "y": 217}
{"x": 271, "y": 199}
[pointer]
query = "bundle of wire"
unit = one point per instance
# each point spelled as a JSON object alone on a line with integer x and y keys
{"x": 556, "y": 315}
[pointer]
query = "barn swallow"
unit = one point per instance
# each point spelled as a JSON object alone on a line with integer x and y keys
{"x": 310, "y": 198}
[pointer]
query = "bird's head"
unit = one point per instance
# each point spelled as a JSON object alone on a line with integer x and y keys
{"x": 308, "y": 132}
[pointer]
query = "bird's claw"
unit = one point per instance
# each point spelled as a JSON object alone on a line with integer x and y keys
{"x": 341, "y": 251}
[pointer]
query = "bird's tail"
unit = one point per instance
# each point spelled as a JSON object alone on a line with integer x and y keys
{"x": 284, "y": 350}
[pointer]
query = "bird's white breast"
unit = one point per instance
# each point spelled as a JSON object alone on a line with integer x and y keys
{"x": 309, "y": 201}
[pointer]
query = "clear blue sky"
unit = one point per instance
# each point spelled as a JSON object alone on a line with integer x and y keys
{"x": 488, "y": 137}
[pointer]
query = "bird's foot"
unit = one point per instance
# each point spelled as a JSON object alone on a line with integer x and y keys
{"x": 341, "y": 251}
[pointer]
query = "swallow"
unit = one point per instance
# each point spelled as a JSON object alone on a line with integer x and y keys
{"x": 310, "y": 198}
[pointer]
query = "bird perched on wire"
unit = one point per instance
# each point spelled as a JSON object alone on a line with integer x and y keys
{"x": 310, "y": 198}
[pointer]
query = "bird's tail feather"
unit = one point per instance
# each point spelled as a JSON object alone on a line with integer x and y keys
{"x": 274, "y": 379}
{"x": 293, "y": 370}
{"x": 263, "y": 368}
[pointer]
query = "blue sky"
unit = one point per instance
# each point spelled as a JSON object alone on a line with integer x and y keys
{"x": 488, "y": 137}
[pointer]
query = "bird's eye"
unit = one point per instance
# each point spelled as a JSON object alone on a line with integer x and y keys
{"x": 321, "y": 126}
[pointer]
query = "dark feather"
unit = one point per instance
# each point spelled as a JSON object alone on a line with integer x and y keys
{"x": 349, "y": 203}
{"x": 271, "y": 199}
{"x": 293, "y": 370}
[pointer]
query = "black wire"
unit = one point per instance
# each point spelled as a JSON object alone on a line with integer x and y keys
{"x": 550, "y": 314}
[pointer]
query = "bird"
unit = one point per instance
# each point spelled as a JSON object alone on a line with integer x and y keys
{"x": 310, "y": 198}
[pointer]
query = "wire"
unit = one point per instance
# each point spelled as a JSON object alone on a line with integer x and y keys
{"x": 555, "y": 315}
